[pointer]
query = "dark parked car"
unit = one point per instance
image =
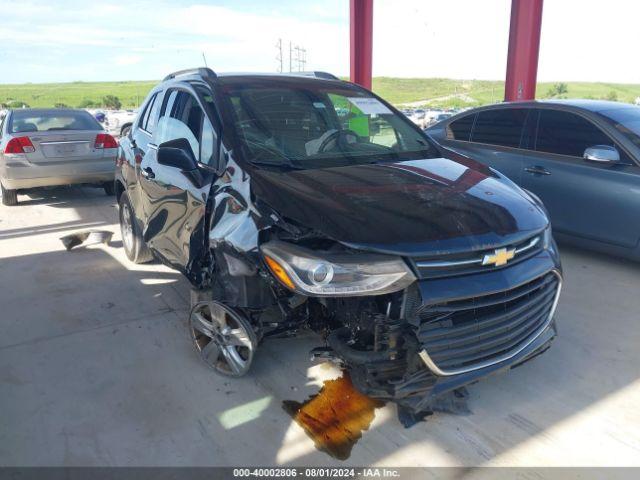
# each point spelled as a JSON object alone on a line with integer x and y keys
{"x": 304, "y": 201}
{"x": 46, "y": 147}
{"x": 581, "y": 157}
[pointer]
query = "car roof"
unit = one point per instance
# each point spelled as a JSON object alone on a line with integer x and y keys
{"x": 576, "y": 103}
{"x": 238, "y": 78}
{"x": 587, "y": 104}
{"x": 46, "y": 110}
{"x": 234, "y": 78}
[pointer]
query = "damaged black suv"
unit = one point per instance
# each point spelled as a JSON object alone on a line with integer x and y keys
{"x": 303, "y": 201}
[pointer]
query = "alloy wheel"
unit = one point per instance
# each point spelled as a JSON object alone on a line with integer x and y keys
{"x": 224, "y": 339}
{"x": 126, "y": 227}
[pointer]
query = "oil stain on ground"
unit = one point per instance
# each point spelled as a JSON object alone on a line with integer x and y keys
{"x": 335, "y": 417}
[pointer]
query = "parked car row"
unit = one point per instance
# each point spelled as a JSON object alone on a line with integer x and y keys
{"x": 116, "y": 122}
{"x": 424, "y": 118}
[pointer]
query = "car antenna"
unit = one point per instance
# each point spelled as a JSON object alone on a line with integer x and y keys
{"x": 205, "y": 60}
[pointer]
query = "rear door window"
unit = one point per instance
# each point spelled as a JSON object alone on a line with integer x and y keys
{"x": 149, "y": 109}
{"x": 153, "y": 114}
{"x": 565, "y": 133}
{"x": 460, "y": 129}
{"x": 501, "y": 127}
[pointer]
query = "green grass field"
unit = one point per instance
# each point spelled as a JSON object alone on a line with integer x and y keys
{"x": 437, "y": 92}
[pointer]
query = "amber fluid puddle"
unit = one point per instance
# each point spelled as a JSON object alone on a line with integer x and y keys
{"x": 335, "y": 417}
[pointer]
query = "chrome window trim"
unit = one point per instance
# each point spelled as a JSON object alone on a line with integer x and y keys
{"x": 587, "y": 115}
{"x": 457, "y": 371}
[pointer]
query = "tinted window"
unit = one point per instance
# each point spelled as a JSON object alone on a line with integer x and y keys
{"x": 500, "y": 127}
{"x": 626, "y": 121}
{"x": 565, "y": 133}
{"x": 316, "y": 124}
{"x": 460, "y": 129}
{"x": 169, "y": 98}
{"x": 44, "y": 121}
{"x": 209, "y": 137}
{"x": 183, "y": 120}
{"x": 147, "y": 111}
{"x": 153, "y": 114}
{"x": 208, "y": 142}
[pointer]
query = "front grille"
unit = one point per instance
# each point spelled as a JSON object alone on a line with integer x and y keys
{"x": 472, "y": 332}
{"x": 472, "y": 262}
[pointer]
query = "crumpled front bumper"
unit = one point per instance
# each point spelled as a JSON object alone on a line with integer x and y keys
{"x": 425, "y": 377}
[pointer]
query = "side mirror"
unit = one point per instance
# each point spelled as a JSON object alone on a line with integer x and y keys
{"x": 602, "y": 154}
{"x": 178, "y": 154}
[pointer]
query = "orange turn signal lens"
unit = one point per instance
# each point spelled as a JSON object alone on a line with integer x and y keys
{"x": 279, "y": 272}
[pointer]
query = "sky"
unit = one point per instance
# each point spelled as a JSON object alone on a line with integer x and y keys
{"x": 71, "y": 40}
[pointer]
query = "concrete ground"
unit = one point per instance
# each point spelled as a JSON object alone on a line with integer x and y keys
{"x": 96, "y": 368}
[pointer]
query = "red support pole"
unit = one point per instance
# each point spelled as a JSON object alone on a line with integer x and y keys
{"x": 524, "y": 47}
{"x": 361, "y": 41}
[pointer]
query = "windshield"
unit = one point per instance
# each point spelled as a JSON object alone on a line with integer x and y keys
{"x": 626, "y": 120}
{"x": 43, "y": 121}
{"x": 313, "y": 125}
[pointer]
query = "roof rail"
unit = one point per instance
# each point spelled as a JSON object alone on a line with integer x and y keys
{"x": 202, "y": 71}
{"x": 317, "y": 74}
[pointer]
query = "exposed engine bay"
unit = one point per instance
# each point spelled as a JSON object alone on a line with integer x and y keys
{"x": 379, "y": 339}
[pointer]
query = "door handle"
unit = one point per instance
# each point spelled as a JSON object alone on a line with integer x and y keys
{"x": 147, "y": 172}
{"x": 537, "y": 170}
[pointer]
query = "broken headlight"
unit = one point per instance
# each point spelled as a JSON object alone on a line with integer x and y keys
{"x": 329, "y": 274}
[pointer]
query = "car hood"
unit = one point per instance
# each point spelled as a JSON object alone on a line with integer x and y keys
{"x": 413, "y": 207}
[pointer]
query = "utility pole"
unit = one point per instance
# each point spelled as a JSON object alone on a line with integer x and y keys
{"x": 301, "y": 58}
{"x": 279, "y": 56}
{"x": 297, "y": 59}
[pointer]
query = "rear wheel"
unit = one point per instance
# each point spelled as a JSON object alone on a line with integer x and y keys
{"x": 134, "y": 246}
{"x": 9, "y": 197}
{"x": 109, "y": 188}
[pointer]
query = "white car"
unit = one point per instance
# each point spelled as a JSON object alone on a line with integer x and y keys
{"x": 118, "y": 122}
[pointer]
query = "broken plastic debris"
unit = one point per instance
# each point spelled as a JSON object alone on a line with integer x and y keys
{"x": 454, "y": 401}
{"x": 88, "y": 237}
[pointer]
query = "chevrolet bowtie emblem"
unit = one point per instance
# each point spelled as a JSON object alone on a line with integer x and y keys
{"x": 499, "y": 257}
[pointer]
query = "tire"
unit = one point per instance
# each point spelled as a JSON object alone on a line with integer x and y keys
{"x": 9, "y": 197}
{"x": 134, "y": 246}
{"x": 109, "y": 188}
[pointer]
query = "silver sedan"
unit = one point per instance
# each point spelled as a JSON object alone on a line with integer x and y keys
{"x": 45, "y": 147}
